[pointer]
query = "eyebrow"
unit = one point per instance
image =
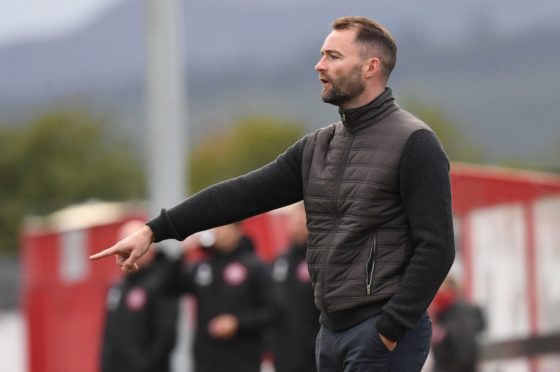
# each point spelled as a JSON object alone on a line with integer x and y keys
{"x": 330, "y": 51}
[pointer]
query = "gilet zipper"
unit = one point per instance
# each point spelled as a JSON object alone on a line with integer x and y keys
{"x": 370, "y": 265}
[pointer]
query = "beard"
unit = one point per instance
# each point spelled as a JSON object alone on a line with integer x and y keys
{"x": 345, "y": 88}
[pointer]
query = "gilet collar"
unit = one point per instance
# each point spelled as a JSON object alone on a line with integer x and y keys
{"x": 364, "y": 116}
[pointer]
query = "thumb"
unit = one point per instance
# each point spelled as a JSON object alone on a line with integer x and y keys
{"x": 129, "y": 267}
{"x": 130, "y": 264}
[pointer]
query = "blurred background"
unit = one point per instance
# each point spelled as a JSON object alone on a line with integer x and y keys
{"x": 75, "y": 129}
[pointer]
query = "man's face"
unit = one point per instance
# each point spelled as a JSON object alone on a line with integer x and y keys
{"x": 227, "y": 238}
{"x": 341, "y": 68}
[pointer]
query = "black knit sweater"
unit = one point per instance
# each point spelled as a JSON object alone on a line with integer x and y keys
{"x": 426, "y": 197}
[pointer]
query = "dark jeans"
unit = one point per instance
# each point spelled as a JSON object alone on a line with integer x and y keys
{"x": 359, "y": 349}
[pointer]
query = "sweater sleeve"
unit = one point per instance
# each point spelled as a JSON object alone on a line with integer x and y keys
{"x": 426, "y": 197}
{"x": 275, "y": 185}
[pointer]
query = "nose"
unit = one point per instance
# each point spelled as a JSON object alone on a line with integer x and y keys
{"x": 320, "y": 66}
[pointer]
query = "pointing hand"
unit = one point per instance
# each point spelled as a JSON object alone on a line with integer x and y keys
{"x": 129, "y": 250}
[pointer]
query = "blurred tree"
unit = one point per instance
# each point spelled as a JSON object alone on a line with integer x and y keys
{"x": 251, "y": 143}
{"x": 457, "y": 144}
{"x": 61, "y": 158}
{"x": 551, "y": 158}
{"x": 11, "y": 205}
{"x": 548, "y": 158}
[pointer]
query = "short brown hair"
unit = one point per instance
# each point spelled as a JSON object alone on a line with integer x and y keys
{"x": 372, "y": 34}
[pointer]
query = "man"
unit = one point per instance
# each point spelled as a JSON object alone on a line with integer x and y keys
{"x": 140, "y": 321}
{"x": 378, "y": 203}
{"x": 457, "y": 325}
{"x": 233, "y": 303}
{"x": 293, "y": 338}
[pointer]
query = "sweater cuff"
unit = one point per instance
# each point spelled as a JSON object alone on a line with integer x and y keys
{"x": 388, "y": 328}
{"x": 162, "y": 228}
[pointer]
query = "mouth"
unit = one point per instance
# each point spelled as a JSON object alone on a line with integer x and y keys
{"x": 325, "y": 82}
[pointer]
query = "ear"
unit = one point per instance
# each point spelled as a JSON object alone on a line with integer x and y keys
{"x": 373, "y": 67}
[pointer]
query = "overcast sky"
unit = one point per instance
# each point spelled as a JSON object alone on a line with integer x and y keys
{"x": 28, "y": 19}
{"x": 25, "y": 19}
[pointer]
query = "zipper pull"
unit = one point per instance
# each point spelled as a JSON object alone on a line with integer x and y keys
{"x": 369, "y": 289}
{"x": 342, "y": 114}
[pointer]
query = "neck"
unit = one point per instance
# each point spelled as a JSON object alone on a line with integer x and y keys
{"x": 366, "y": 97}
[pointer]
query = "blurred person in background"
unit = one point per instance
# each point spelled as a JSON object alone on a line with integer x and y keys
{"x": 457, "y": 324}
{"x": 234, "y": 303}
{"x": 378, "y": 202}
{"x": 140, "y": 320}
{"x": 293, "y": 337}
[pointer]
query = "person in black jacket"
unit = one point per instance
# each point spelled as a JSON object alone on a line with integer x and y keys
{"x": 293, "y": 337}
{"x": 234, "y": 304}
{"x": 377, "y": 196}
{"x": 457, "y": 325}
{"x": 140, "y": 320}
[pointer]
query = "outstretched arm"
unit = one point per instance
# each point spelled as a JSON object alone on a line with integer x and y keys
{"x": 274, "y": 185}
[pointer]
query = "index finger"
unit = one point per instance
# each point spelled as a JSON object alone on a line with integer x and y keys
{"x": 106, "y": 253}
